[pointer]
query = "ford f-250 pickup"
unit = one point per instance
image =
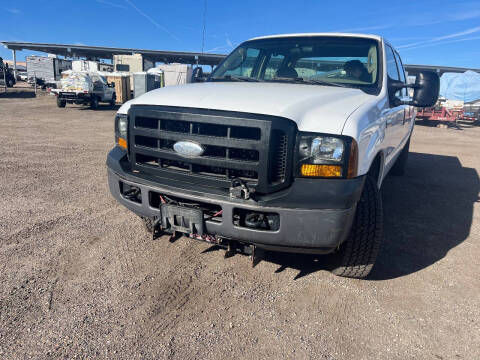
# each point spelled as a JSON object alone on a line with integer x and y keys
{"x": 283, "y": 148}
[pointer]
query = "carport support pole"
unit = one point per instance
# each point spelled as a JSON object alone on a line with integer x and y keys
{"x": 35, "y": 82}
{"x": 5, "y": 78}
{"x": 14, "y": 53}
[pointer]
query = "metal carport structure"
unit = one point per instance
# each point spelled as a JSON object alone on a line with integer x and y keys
{"x": 103, "y": 52}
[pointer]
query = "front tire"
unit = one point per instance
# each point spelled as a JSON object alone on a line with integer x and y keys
{"x": 356, "y": 256}
{"x": 94, "y": 103}
{"x": 61, "y": 103}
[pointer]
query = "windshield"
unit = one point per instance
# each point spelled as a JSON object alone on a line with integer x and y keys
{"x": 324, "y": 60}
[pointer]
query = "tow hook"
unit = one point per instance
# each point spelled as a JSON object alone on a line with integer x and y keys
{"x": 157, "y": 230}
{"x": 239, "y": 189}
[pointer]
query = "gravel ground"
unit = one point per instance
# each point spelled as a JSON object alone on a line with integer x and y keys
{"x": 80, "y": 278}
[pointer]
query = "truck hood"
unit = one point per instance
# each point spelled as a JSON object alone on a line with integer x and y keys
{"x": 314, "y": 108}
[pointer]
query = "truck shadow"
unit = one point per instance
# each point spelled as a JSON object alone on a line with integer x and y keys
{"x": 101, "y": 107}
{"x": 428, "y": 212}
{"x": 17, "y": 94}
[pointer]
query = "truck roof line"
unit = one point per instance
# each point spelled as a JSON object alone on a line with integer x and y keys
{"x": 369, "y": 36}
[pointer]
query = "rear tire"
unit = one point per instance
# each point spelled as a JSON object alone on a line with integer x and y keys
{"x": 61, "y": 103}
{"x": 398, "y": 169}
{"x": 10, "y": 83}
{"x": 356, "y": 256}
{"x": 94, "y": 103}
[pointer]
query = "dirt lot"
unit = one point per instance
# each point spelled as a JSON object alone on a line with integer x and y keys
{"x": 80, "y": 278}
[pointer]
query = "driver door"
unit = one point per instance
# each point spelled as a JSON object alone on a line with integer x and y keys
{"x": 394, "y": 115}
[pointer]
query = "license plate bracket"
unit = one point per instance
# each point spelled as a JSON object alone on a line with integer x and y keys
{"x": 182, "y": 219}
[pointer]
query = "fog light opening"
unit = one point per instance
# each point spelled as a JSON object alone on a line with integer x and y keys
{"x": 256, "y": 220}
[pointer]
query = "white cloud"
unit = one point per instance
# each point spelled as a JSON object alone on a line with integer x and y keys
{"x": 440, "y": 38}
{"x": 229, "y": 43}
{"x": 111, "y": 3}
{"x": 458, "y": 34}
{"x": 441, "y": 43}
{"x": 14, "y": 11}
{"x": 152, "y": 21}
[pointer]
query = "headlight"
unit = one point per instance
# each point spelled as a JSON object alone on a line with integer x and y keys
{"x": 318, "y": 150}
{"x": 121, "y": 129}
{"x": 326, "y": 156}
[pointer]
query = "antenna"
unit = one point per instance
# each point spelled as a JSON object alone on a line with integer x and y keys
{"x": 204, "y": 26}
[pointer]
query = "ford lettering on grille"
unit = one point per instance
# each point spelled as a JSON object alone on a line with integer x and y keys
{"x": 188, "y": 148}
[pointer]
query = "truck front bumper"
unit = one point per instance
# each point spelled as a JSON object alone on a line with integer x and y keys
{"x": 315, "y": 214}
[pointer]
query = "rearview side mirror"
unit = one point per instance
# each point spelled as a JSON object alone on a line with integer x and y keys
{"x": 426, "y": 89}
{"x": 425, "y": 93}
{"x": 197, "y": 75}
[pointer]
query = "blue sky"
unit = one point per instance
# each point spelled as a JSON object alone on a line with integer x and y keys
{"x": 425, "y": 32}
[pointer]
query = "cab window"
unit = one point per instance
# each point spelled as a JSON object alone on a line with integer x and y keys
{"x": 273, "y": 64}
{"x": 245, "y": 67}
{"x": 392, "y": 69}
{"x": 401, "y": 71}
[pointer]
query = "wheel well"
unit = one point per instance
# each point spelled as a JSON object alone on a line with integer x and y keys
{"x": 374, "y": 170}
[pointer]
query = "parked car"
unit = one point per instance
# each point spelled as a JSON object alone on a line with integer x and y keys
{"x": 88, "y": 88}
{"x": 22, "y": 76}
{"x": 285, "y": 148}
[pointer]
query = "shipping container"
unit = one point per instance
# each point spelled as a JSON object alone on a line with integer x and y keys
{"x": 47, "y": 70}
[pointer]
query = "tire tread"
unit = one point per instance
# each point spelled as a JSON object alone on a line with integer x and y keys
{"x": 358, "y": 253}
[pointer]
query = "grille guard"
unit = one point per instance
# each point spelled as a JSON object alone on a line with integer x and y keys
{"x": 268, "y": 141}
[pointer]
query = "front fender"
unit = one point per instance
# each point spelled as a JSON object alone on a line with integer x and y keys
{"x": 367, "y": 127}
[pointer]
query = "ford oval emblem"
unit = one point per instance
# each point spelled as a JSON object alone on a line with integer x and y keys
{"x": 188, "y": 148}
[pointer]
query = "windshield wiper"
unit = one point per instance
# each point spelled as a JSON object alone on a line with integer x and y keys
{"x": 322, "y": 82}
{"x": 308, "y": 81}
{"x": 237, "y": 78}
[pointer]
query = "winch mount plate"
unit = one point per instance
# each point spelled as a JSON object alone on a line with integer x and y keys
{"x": 182, "y": 219}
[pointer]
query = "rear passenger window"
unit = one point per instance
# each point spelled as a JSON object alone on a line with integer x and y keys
{"x": 402, "y": 73}
{"x": 392, "y": 65}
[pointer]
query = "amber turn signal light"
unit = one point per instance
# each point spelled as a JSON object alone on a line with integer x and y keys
{"x": 353, "y": 161}
{"x": 321, "y": 170}
{"x": 122, "y": 143}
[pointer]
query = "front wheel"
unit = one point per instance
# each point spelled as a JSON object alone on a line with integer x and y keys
{"x": 356, "y": 256}
{"x": 61, "y": 103}
{"x": 10, "y": 83}
{"x": 94, "y": 102}
{"x": 113, "y": 101}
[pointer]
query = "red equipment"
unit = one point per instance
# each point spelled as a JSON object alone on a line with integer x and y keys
{"x": 439, "y": 114}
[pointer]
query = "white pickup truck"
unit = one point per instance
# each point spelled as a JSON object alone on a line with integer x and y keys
{"x": 284, "y": 147}
{"x": 87, "y": 88}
